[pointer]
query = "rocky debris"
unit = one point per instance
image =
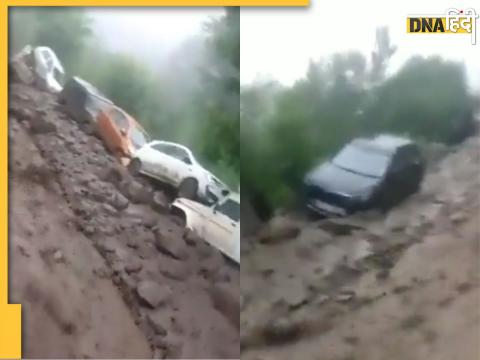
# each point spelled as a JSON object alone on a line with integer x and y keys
{"x": 158, "y": 322}
{"x": 122, "y": 217}
{"x": 135, "y": 191}
{"x": 58, "y": 256}
{"x": 154, "y": 294}
{"x": 278, "y": 231}
{"x": 226, "y": 303}
{"x": 133, "y": 267}
{"x": 167, "y": 244}
{"x": 340, "y": 226}
{"x": 281, "y": 330}
{"x": 322, "y": 299}
{"x": 175, "y": 270}
{"x": 160, "y": 202}
{"x": 345, "y": 296}
{"x": 42, "y": 124}
{"x": 458, "y": 217}
{"x": 20, "y": 72}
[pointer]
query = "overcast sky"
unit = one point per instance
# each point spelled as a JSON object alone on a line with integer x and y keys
{"x": 150, "y": 33}
{"x": 280, "y": 42}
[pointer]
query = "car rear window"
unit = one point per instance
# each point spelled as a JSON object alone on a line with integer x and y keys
{"x": 137, "y": 137}
{"x": 362, "y": 161}
{"x": 231, "y": 209}
{"x": 119, "y": 118}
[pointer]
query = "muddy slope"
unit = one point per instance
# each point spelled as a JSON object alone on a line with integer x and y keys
{"x": 99, "y": 265}
{"x": 372, "y": 287}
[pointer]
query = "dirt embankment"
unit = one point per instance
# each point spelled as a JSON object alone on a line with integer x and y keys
{"x": 372, "y": 287}
{"x": 99, "y": 265}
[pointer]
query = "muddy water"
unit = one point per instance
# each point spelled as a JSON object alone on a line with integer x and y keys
{"x": 412, "y": 280}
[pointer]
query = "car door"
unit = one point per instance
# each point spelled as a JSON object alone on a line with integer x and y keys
{"x": 159, "y": 161}
{"x": 112, "y": 124}
{"x": 399, "y": 181}
{"x": 181, "y": 164}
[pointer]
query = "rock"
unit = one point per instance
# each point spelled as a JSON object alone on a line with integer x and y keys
{"x": 458, "y": 217}
{"x": 322, "y": 299}
{"x": 107, "y": 246}
{"x": 278, "y": 231}
{"x": 191, "y": 239}
{"x": 133, "y": 267}
{"x": 43, "y": 124}
{"x": 281, "y": 330}
{"x": 103, "y": 272}
{"x": 109, "y": 209}
{"x": 160, "y": 202}
{"x": 226, "y": 302}
{"x": 58, "y": 256}
{"x": 153, "y": 294}
{"x": 157, "y": 322}
{"x": 345, "y": 296}
{"x": 339, "y": 226}
{"x": 132, "y": 243}
{"x": 175, "y": 270}
{"x": 20, "y": 72}
{"x": 114, "y": 174}
{"x": 204, "y": 250}
{"x": 136, "y": 192}
{"x": 119, "y": 202}
{"x": 171, "y": 246}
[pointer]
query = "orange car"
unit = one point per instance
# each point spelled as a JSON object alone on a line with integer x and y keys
{"x": 121, "y": 133}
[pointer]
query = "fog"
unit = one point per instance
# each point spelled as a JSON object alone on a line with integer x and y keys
{"x": 153, "y": 34}
{"x": 280, "y": 42}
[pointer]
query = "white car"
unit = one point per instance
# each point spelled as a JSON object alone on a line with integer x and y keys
{"x": 49, "y": 72}
{"x": 218, "y": 225}
{"x": 175, "y": 164}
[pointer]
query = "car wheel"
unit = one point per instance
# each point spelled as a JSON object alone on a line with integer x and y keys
{"x": 135, "y": 166}
{"x": 188, "y": 189}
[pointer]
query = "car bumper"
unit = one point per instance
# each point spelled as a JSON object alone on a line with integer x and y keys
{"x": 324, "y": 208}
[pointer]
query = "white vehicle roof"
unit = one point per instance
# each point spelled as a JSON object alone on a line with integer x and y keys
{"x": 56, "y": 63}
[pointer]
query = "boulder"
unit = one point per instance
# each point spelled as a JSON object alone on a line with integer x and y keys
{"x": 153, "y": 294}
{"x": 170, "y": 245}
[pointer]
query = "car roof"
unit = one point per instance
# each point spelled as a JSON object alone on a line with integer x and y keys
{"x": 171, "y": 143}
{"x": 56, "y": 63}
{"x": 91, "y": 89}
{"x": 384, "y": 142}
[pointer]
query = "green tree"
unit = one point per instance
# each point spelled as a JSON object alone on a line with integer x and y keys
{"x": 65, "y": 30}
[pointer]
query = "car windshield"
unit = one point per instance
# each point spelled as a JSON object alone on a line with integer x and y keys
{"x": 137, "y": 137}
{"x": 230, "y": 208}
{"x": 362, "y": 161}
{"x": 59, "y": 76}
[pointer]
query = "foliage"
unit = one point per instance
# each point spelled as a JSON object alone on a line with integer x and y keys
{"x": 340, "y": 98}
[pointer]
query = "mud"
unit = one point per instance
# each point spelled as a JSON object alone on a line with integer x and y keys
{"x": 371, "y": 287}
{"x": 98, "y": 263}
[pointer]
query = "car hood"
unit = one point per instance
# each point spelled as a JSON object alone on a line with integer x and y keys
{"x": 334, "y": 179}
{"x": 190, "y": 204}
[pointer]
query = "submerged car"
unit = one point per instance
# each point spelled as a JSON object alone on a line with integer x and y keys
{"x": 176, "y": 165}
{"x": 121, "y": 133}
{"x": 218, "y": 225}
{"x": 83, "y": 100}
{"x": 49, "y": 72}
{"x": 367, "y": 173}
